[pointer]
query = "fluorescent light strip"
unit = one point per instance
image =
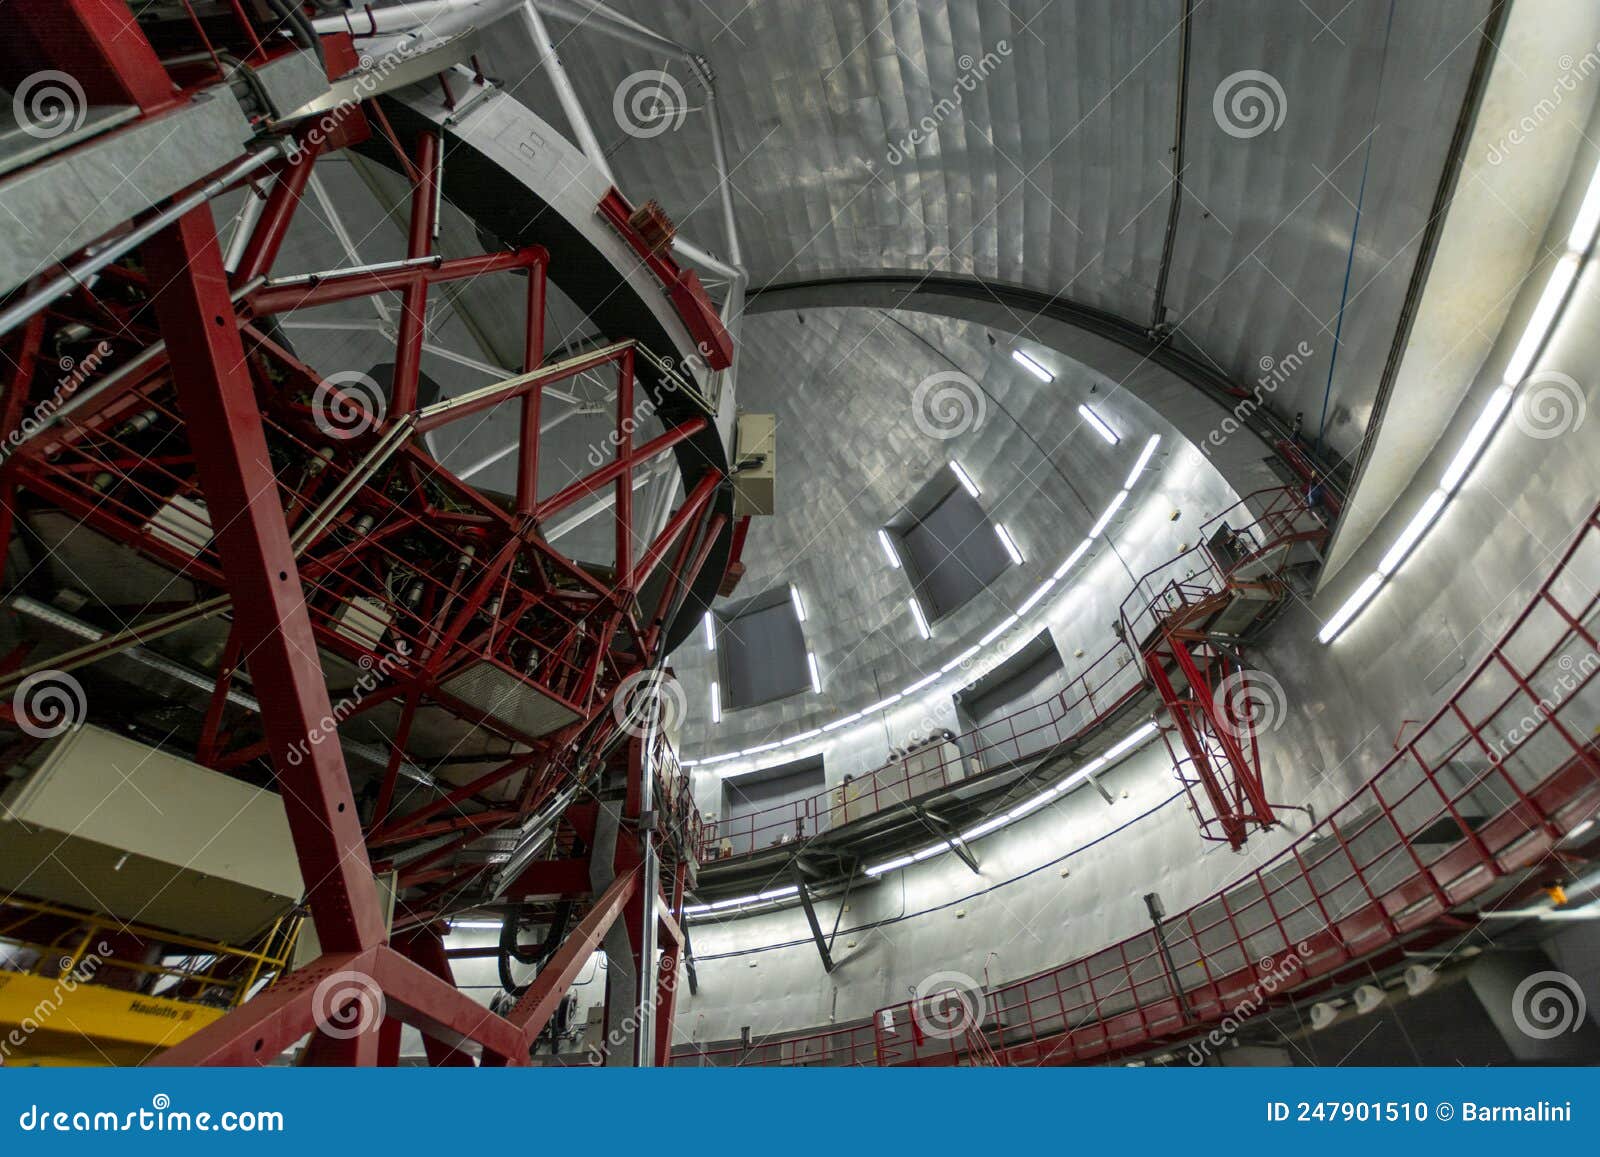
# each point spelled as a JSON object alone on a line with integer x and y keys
{"x": 882, "y": 703}
{"x": 1072, "y": 559}
{"x": 816, "y": 678}
{"x": 758, "y": 898}
{"x": 1584, "y": 225}
{"x": 960, "y": 659}
{"x": 922, "y": 624}
{"x": 1009, "y": 543}
{"x": 799, "y": 607}
{"x": 475, "y": 925}
{"x": 711, "y": 632}
{"x": 922, "y": 620}
{"x": 1547, "y": 311}
{"x": 1352, "y": 606}
{"x": 1032, "y": 366}
{"x": 844, "y": 721}
{"x": 888, "y": 548}
{"x": 1123, "y": 747}
{"x": 1412, "y": 534}
{"x": 1099, "y": 425}
{"x": 716, "y": 702}
{"x": 1542, "y": 320}
{"x": 1477, "y": 437}
{"x": 962, "y": 477}
{"x": 1039, "y": 592}
{"x": 1144, "y": 460}
{"x": 999, "y": 629}
{"x": 1110, "y": 512}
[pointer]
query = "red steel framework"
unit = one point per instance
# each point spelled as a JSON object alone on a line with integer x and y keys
{"x": 1468, "y": 810}
{"x": 300, "y": 525}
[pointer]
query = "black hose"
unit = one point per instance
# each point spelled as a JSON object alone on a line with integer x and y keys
{"x": 290, "y": 13}
{"x": 535, "y": 954}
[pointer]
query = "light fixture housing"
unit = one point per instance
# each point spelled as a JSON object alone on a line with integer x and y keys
{"x": 799, "y": 606}
{"x": 920, "y": 618}
{"x": 1098, "y": 424}
{"x": 716, "y": 702}
{"x": 1144, "y": 460}
{"x": 1009, "y": 543}
{"x": 888, "y": 548}
{"x": 711, "y": 631}
{"x": 816, "y": 677}
{"x": 1352, "y": 607}
{"x": 1032, "y": 366}
{"x": 964, "y": 478}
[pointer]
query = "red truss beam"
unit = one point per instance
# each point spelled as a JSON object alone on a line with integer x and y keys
{"x": 303, "y": 529}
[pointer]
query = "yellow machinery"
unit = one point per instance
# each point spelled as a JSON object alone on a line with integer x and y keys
{"x": 95, "y": 991}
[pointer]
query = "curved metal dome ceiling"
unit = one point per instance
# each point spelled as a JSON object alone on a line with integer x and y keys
{"x": 1050, "y": 162}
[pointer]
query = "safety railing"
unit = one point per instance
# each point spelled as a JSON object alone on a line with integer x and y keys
{"x": 1271, "y": 523}
{"x": 1277, "y": 519}
{"x": 68, "y": 943}
{"x": 1495, "y": 778}
{"x": 1098, "y": 692}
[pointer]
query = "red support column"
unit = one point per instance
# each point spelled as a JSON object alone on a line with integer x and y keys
{"x": 414, "y": 302}
{"x": 532, "y": 356}
{"x": 241, "y": 491}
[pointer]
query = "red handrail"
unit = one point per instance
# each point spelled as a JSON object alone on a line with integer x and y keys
{"x": 1085, "y": 703}
{"x": 1497, "y": 776}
